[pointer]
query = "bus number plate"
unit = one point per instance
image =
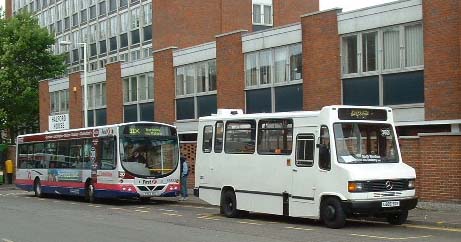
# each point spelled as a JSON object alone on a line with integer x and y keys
{"x": 390, "y": 204}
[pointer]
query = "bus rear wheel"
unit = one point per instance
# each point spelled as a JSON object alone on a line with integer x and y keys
{"x": 38, "y": 188}
{"x": 397, "y": 218}
{"x": 229, "y": 204}
{"x": 332, "y": 213}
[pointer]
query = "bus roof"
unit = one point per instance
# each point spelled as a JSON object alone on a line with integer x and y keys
{"x": 294, "y": 114}
{"x": 92, "y": 128}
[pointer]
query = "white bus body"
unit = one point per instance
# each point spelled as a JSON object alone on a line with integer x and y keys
{"x": 131, "y": 160}
{"x": 286, "y": 164}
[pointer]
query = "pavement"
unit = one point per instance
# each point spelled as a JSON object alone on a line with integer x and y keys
{"x": 444, "y": 215}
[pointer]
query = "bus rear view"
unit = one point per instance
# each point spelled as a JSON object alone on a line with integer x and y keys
{"x": 337, "y": 163}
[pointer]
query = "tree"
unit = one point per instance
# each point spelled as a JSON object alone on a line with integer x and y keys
{"x": 25, "y": 60}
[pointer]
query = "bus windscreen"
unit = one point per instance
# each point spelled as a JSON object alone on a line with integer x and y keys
{"x": 149, "y": 150}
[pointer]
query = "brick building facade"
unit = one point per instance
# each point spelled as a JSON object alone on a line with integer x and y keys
{"x": 405, "y": 54}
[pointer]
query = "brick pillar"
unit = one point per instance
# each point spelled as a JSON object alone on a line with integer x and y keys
{"x": 164, "y": 91}
{"x": 75, "y": 101}
{"x": 9, "y": 10}
{"x": 114, "y": 93}
{"x": 288, "y": 11}
{"x": 44, "y": 104}
{"x": 230, "y": 70}
{"x": 442, "y": 69}
{"x": 321, "y": 60}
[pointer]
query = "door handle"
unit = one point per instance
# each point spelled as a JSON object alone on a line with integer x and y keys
{"x": 295, "y": 170}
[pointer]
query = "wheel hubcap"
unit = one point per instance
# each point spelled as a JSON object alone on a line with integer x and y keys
{"x": 330, "y": 212}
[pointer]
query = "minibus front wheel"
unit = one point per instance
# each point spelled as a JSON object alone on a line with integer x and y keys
{"x": 332, "y": 213}
{"x": 397, "y": 218}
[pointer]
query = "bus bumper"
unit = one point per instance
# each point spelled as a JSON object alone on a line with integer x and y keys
{"x": 375, "y": 208}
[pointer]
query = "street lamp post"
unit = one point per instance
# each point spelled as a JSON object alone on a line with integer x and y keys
{"x": 85, "y": 86}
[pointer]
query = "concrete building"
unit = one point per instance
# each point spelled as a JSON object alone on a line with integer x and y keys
{"x": 271, "y": 56}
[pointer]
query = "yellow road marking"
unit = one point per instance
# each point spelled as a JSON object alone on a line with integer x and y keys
{"x": 142, "y": 208}
{"x": 390, "y": 238}
{"x": 116, "y": 208}
{"x": 172, "y": 214}
{"x": 208, "y": 217}
{"x": 74, "y": 203}
{"x": 243, "y": 222}
{"x": 297, "y": 228}
{"x": 41, "y": 199}
{"x": 141, "y": 211}
{"x": 166, "y": 210}
{"x": 431, "y": 228}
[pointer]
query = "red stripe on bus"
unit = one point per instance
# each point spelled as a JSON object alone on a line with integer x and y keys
{"x": 24, "y": 182}
{"x": 63, "y": 184}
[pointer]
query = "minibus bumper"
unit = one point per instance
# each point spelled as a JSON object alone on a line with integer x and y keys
{"x": 375, "y": 208}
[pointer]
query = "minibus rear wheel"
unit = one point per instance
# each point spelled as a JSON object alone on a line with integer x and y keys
{"x": 332, "y": 213}
{"x": 397, "y": 218}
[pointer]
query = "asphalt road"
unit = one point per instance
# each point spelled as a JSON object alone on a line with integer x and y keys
{"x": 25, "y": 218}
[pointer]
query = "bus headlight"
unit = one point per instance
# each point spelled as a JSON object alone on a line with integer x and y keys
{"x": 356, "y": 187}
{"x": 411, "y": 184}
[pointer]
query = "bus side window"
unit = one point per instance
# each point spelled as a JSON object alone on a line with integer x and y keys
{"x": 324, "y": 149}
{"x": 207, "y": 139}
{"x": 218, "y": 137}
{"x": 305, "y": 150}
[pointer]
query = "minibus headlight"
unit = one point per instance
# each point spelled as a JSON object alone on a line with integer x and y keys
{"x": 411, "y": 184}
{"x": 355, "y": 187}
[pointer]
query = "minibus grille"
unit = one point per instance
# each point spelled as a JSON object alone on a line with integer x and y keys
{"x": 387, "y": 185}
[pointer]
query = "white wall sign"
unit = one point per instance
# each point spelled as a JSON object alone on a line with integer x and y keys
{"x": 58, "y": 122}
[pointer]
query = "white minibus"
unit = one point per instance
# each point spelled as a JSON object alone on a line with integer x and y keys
{"x": 337, "y": 163}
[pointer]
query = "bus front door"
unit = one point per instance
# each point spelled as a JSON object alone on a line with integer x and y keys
{"x": 303, "y": 177}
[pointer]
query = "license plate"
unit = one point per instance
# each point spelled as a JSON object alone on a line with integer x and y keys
{"x": 389, "y": 204}
{"x": 156, "y": 193}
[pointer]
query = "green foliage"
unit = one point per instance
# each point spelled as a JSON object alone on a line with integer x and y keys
{"x": 25, "y": 60}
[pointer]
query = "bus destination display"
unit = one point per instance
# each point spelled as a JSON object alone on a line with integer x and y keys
{"x": 143, "y": 131}
{"x": 362, "y": 114}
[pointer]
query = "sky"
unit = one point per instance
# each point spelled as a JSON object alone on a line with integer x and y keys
{"x": 346, "y": 5}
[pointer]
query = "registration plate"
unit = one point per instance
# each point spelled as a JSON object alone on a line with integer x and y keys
{"x": 389, "y": 204}
{"x": 155, "y": 193}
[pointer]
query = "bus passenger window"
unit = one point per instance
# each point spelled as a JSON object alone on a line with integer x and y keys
{"x": 219, "y": 137}
{"x": 207, "y": 139}
{"x": 240, "y": 137}
{"x": 324, "y": 149}
{"x": 275, "y": 136}
{"x": 305, "y": 150}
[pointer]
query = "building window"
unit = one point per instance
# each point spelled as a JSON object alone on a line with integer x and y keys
{"x": 350, "y": 54}
{"x": 414, "y": 53}
{"x": 59, "y": 102}
{"x": 123, "y": 3}
{"x": 391, "y": 68}
{"x": 97, "y": 114}
{"x": 273, "y": 79}
{"x": 93, "y": 12}
{"x": 370, "y": 51}
{"x": 112, "y": 6}
{"x": 262, "y": 14}
{"x": 283, "y": 64}
{"x": 102, "y": 8}
{"x": 196, "y": 90}
{"x": 391, "y": 48}
{"x": 84, "y": 15}
{"x": 138, "y": 96}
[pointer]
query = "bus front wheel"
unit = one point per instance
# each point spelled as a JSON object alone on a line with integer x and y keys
{"x": 38, "y": 188}
{"x": 229, "y": 204}
{"x": 332, "y": 213}
{"x": 397, "y": 218}
{"x": 89, "y": 192}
